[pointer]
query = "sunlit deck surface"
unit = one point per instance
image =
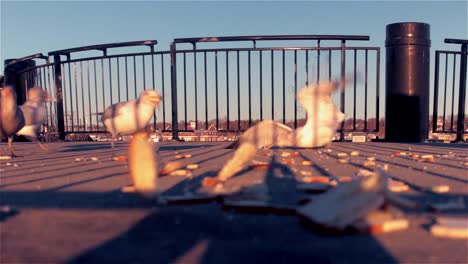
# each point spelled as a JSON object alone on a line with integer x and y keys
{"x": 72, "y": 209}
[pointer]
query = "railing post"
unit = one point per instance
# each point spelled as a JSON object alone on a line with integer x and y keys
{"x": 462, "y": 94}
{"x": 343, "y": 84}
{"x": 436, "y": 93}
{"x": 175, "y": 113}
{"x": 407, "y": 82}
{"x": 59, "y": 95}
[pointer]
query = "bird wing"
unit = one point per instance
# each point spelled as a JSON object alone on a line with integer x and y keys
{"x": 115, "y": 110}
{"x": 266, "y": 133}
{"x": 33, "y": 115}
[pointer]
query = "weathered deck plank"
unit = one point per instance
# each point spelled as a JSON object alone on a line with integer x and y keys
{"x": 72, "y": 210}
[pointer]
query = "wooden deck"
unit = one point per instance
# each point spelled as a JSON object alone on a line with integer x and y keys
{"x": 70, "y": 208}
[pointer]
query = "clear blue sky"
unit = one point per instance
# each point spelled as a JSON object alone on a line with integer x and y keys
{"x": 43, "y": 26}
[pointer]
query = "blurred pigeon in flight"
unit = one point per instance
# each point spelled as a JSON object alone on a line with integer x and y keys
{"x": 11, "y": 116}
{"x": 323, "y": 118}
{"x": 126, "y": 118}
{"x": 35, "y": 114}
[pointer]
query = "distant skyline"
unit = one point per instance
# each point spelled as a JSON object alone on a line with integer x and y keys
{"x": 43, "y": 26}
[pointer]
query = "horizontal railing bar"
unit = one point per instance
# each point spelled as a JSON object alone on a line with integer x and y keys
{"x": 116, "y": 56}
{"x": 448, "y": 51}
{"x": 273, "y": 48}
{"x": 271, "y": 37}
{"x": 36, "y": 67}
{"x": 456, "y": 41}
{"x": 104, "y": 46}
{"x": 27, "y": 58}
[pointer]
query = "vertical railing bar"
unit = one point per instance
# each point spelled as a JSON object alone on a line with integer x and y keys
{"x": 342, "y": 84}
{"x": 103, "y": 85}
{"x": 216, "y": 86}
{"x": 206, "y": 91}
{"x": 261, "y": 87}
{"x": 96, "y": 95}
{"x": 272, "y": 87}
{"x": 64, "y": 94}
{"x": 250, "y": 89}
{"x": 238, "y": 94}
{"x": 154, "y": 88}
{"x": 76, "y": 98}
{"x": 453, "y": 92}
{"x": 196, "y": 86}
{"x": 227, "y": 90}
{"x": 445, "y": 90}
{"x": 82, "y": 97}
{"x": 436, "y": 93}
{"x": 377, "y": 87}
{"x": 126, "y": 76}
{"x": 295, "y": 89}
{"x": 365, "y": 88}
{"x": 329, "y": 64}
{"x": 135, "y": 76}
{"x": 284, "y": 87}
{"x": 71, "y": 97}
{"x": 307, "y": 66}
{"x": 144, "y": 71}
{"x": 318, "y": 61}
{"x": 185, "y": 91}
{"x": 354, "y": 95}
{"x": 118, "y": 80}
{"x": 89, "y": 96}
{"x": 163, "y": 92}
{"x": 110, "y": 81}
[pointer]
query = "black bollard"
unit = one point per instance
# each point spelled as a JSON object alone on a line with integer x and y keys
{"x": 407, "y": 82}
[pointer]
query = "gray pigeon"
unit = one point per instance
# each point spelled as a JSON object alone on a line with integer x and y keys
{"x": 126, "y": 118}
{"x": 11, "y": 116}
{"x": 35, "y": 114}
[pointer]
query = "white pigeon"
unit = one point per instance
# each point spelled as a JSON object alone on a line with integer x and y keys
{"x": 35, "y": 114}
{"x": 323, "y": 118}
{"x": 11, "y": 117}
{"x": 126, "y": 118}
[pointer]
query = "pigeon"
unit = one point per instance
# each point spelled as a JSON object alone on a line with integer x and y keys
{"x": 126, "y": 118}
{"x": 143, "y": 166}
{"x": 11, "y": 116}
{"x": 35, "y": 114}
{"x": 323, "y": 118}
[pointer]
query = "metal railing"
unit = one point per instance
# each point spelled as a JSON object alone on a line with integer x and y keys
{"x": 439, "y": 124}
{"x": 234, "y": 71}
{"x": 230, "y": 88}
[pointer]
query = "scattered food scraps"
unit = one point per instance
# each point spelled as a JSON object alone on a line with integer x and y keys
{"x": 169, "y": 167}
{"x": 345, "y": 179}
{"x": 451, "y": 227}
{"x": 180, "y": 173}
{"x": 343, "y": 161}
{"x": 120, "y": 159}
{"x": 210, "y": 181}
{"x": 5, "y": 157}
{"x": 397, "y": 186}
{"x": 306, "y": 163}
{"x": 94, "y": 158}
{"x": 187, "y": 156}
{"x": 193, "y": 166}
{"x": 315, "y": 179}
{"x": 287, "y": 161}
{"x": 427, "y": 158}
{"x": 378, "y": 222}
{"x": 371, "y": 158}
{"x": 354, "y": 153}
{"x": 369, "y": 164}
{"x": 342, "y": 154}
{"x": 441, "y": 188}
{"x": 264, "y": 166}
{"x": 285, "y": 154}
